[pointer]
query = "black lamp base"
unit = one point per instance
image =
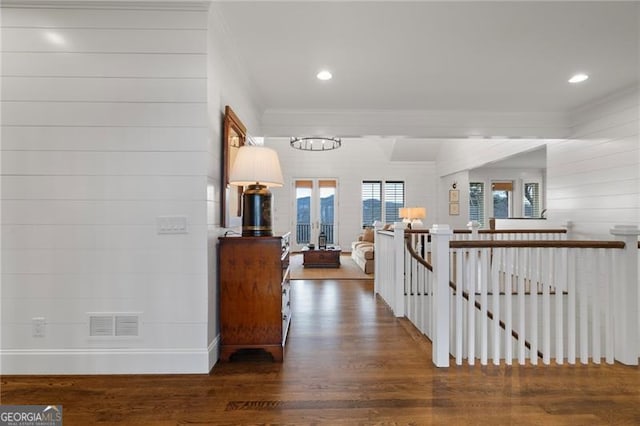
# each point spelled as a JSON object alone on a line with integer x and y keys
{"x": 256, "y": 211}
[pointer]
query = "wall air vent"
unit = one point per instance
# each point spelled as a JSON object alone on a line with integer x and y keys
{"x": 101, "y": 325}
{"x": 112, "y": 324}
{"x": 127, "y": 325}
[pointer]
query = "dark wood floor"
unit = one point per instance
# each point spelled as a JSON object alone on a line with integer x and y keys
{"x": 348, "y": 361}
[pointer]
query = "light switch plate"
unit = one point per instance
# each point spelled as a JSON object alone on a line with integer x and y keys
{"x": 171, "y": 224}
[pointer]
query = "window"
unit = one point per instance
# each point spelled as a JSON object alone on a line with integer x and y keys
{"x": 531, "y": 199}
{"x": 501, "y": 192}
{"x": 476, "y": 202}
{"x": 374, "y": 198}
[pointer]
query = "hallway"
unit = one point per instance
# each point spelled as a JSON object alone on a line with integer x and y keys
{"x": 347, "y": 361}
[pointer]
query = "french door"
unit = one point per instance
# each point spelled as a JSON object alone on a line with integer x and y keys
{"x": 315, "y": 211}
{"x": 502, "y": 194}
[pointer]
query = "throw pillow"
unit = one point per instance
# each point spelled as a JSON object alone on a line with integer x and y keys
{"x": 367, "y": 235}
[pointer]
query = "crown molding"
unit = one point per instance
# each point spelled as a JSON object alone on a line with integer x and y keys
{"x": 185, "y": 5}
{"x": 416, "y": 124}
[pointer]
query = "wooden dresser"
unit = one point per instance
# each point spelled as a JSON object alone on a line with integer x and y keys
{"x": 255, "y": 311}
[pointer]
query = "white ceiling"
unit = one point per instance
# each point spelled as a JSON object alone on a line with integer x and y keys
{"x": 437, "y": 56}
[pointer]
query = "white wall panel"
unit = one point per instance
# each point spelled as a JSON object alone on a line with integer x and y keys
{"x": 591, "y": 201}
{"x": 608, "y": 159}
{"x": 157, "y": 337}
{"x": 93, "y": 163}
{"x": 108, "y": 285}
{"x": 156, "y": 303}
{"x": 608, "y": 123}
{"x": 567, "y": 189}
{"x": 29, "y": 187}
{"x": 120, "y": 237}
{"x": 104, "y": 65}
{"x": 109, "y": 40}
{"x": 594, "y": 177}
{"x": 96, "y": 89}
{"x": 102, "y": 138}
{"x": 596, "y": 148}
{"x": 103, "y": 114}
{"x": 597, "y": 175}
{"x": 89, "y": 212}
{"x": 43, "y": 17}
{"x": 101, "y": 135}
{"x": 64, "y": 261}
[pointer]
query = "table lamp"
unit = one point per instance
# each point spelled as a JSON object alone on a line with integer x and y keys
{"x": 257, "y": 168}
{"x": 416, "y": 214}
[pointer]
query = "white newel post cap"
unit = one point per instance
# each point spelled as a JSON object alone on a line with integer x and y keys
{"x": 625, "y": 230}
{"x": 400, "y": 225}
{"x": 440, "y": 229}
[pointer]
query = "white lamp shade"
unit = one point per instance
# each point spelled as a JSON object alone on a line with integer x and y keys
{"x": 256, "y": 164}
{"x": 417, "y": 212}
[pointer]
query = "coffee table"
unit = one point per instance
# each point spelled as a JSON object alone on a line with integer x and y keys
{"x": 325, "y": 258}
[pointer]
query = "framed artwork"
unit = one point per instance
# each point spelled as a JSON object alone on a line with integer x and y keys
{"x": 454, "y": 195}
{"x": 454, "y": 209}
{"x": 234, "y": 136}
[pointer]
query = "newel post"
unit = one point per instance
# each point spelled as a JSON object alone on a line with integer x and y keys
{"x": 398, "y": 275}
{"x": 625, "y": 298}
{"x": 440, "y": 237}
{"x": 474, "y": 226}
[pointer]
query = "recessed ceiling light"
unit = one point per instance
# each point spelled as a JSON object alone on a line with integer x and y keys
{"x": 324, "y": 75}
{"x": 578, "y": 78}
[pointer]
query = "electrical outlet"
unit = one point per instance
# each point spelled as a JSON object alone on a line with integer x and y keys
{"x": 38, "y": 325}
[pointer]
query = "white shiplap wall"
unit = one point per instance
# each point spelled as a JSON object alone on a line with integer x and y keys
{"x": 103, "y": 131}
{"x": 357, "y": 160}
{"x": 594, "y": 176}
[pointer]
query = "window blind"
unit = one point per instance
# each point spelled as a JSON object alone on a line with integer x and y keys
{"x": 371, "y": 202}
{"x": 476, "y": 202}
{"x": 393, "y": 200}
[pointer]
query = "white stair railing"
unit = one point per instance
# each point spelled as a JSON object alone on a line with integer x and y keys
{"x": 526, "y": 298}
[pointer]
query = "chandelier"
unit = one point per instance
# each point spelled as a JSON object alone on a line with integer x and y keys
{"x": 315, "y": 143}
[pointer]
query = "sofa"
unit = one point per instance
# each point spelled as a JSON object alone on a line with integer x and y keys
{"x": 362, "y": 251}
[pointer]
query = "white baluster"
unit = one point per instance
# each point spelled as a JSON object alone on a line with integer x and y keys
{"x": 484, "y": 283}
{"x": 520, "y": 277}
{"x": 508, "y": 291}
{"x": 571, "y": 306}
{"x": 472, "y": 274}
{"x": 459, "y": 325}
{"x": 533, "y": 296}
{"x": 495, "y": 288}
{"x": 546, "y": 309}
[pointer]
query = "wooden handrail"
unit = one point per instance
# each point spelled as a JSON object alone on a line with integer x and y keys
{"x": 583, "y": 244}
{"x": 421, "y": 260}
{"x": 495, "y": 231}
{"x": 465, "y": 295}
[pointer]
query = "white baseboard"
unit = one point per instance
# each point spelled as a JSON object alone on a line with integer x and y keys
{"x": 214, "y": 351}
{"x": 109, "y": 361}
